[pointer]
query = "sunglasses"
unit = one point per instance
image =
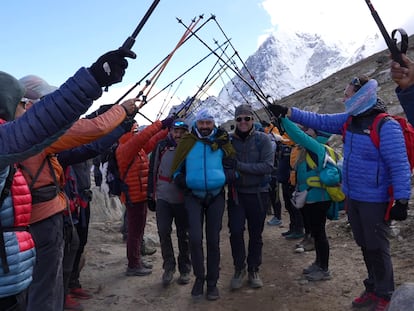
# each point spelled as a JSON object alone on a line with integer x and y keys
{"x": 180, "y": 124}
{"x": 247, "y": 119}
{"x": 356, "y": 82}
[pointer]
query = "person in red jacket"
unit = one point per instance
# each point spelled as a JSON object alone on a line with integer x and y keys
{"x": 133, "y": 163}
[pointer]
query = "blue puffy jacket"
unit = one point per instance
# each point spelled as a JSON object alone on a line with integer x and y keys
{"x": 45, "y": 121}
{"x": 367, "y": 171}
{"x": 204, "y": 169}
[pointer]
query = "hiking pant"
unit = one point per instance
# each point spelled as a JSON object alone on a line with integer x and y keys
{"x": 370, "y": 233}
{"x": 82, "y": 229}
{"x": 14, "y": 302}
{"x": 166, "y": 214}
{"x": 213, "y": 216}
{"x": 275, "y": 199}
{"x": 137, "y": 217}
{"x": 46, "y": 289}
{"x": 252, "y": 208}
{"x": 69, "y": 255}
{"x": 315, "y": 213}
{"x": 295, "y": 215}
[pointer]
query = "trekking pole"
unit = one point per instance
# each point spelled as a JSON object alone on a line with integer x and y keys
{"x": 156, "y": 66}
{"x": 257, "y": 93}
{"x": 185, "y": 72}
{"x": 391, "y": 41}
{"x": 130, "y": 41}
{"x": 240, "y": 59}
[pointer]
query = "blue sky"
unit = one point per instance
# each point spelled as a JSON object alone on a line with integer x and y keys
{"x": 53, "y": 39}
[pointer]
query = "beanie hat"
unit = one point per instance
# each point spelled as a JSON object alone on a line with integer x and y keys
{"x": 11, "y": 92}
{"x": 36, "y": 87}
{"x": 243, "y": 109}
{"x": 203, "y": 114}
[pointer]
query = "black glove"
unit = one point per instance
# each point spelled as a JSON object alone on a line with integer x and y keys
{"x": 264, "y": 123}
{"x": 151, "y": 204}
{"x": 110, "y": 67}
{"x": 278, "y": 110}
{"x": 128, "y": 123}
{"x": 167, "y": 122}
{"x": 229, "y": 163}
{"x": 399, "y": 210}
{"x": 179, "y": 180}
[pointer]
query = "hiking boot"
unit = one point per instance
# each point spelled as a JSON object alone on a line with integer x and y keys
{"x": 237, "y": 280}
{"x": 80, "y": 293}
{"x": 318, "y": 275}
{"x": 299, "y": 248}
{"x": 212, "y": 293}
{"x": 197, "y": 291}
{"x": 380, "y": 305}
{"x": 139, "y": 271}
{"x": 309, "y": 244}
{"x": 146, "y": 264}
{"x": 311, "y": 268}
{"x": 274, "y": 222}
{"x": 294, "y": 236}
{"x": 72, "y": 304}
{"x": 254, "y": 280}
{"x": 286, "y": 233}
{"x": 184, "y": 278}
{"x": 167, "y": 277}
{"x": 366, "y": 299}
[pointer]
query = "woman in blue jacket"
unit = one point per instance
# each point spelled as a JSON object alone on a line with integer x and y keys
{"x": 368, "y": 174}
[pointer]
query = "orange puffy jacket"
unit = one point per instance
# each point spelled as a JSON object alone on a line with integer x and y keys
{"x": 132, "y": 158}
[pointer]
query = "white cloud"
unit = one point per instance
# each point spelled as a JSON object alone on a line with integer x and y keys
{"x": 348, "y": 21}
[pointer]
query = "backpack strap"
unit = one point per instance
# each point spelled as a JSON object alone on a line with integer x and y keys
{"x": 4, "y": 195}
{"x": 375, "y": 127}
{"x": 345, "y": 127}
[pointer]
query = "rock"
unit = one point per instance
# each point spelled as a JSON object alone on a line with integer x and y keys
{"x": 403, "y": 298}
{"x": 105, "y": 208}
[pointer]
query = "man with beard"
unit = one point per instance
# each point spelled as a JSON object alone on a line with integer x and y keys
{"x": 197, "y": 168}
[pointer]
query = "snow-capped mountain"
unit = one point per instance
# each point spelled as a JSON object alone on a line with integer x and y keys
{"x": 286, "y": 62}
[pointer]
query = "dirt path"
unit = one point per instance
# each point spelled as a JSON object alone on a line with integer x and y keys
{"x": 284, "y": 288}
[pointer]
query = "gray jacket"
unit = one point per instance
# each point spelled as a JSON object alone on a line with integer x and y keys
{"x": 255, "y": 158}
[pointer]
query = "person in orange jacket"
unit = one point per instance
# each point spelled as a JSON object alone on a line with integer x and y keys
{"x": 45, "y": 177}
{"x": 133, "y": 163}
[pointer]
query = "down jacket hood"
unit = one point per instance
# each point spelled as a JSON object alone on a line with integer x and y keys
{"x": 11, "y": 92}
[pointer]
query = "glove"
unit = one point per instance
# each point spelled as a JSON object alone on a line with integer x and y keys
{"x": 151, "y": 204}
{"x": 110, "y": 67}
{"x": 229, "y": 163}
{"x": 399, "y": 210}
{"x": 278, "y": 110}
{"x": 167, "y": 122}
{"x": 264, "y": 123}
{"x": 179, "y": 180}
{"x": 128, "y": 123}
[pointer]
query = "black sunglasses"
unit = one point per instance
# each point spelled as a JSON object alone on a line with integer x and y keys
{"x": 247, "y": 119}
{"x": 356, "y": 82}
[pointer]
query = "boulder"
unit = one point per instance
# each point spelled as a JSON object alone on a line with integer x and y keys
{"x": 402, "y": 298}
